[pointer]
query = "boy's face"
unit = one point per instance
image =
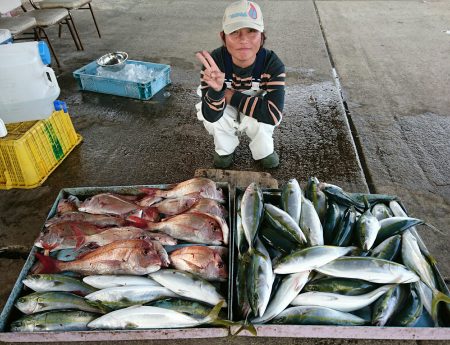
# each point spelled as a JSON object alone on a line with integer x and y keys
{"x": 243, "y": 44}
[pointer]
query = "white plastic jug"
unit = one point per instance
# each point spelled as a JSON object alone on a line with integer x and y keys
{"x": 27, "y": 86}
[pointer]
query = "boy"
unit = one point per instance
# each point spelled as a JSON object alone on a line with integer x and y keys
{"x": 242, "y": 88}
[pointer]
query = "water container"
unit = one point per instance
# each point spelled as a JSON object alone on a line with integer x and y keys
{"x": 27, "y": 86}
{"x": 5, "y": 36}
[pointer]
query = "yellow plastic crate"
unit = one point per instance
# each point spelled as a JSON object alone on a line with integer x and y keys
{"x": 33, "y": 149}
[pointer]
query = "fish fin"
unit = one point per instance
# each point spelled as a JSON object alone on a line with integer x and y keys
{"x": 437, "y": 298}
{"x": 42, "y": 304}
{"x": 137, "y": 222}
{"x": 432, "y": 260}
{"x": 214, "y": 313}
{"x": 50, "y": 264}
{"x": 79, "y": 236}
{"x": 192, "y": 265}
{"x": 103, "y": 309}
{"x": 41, "y": 326}
{"x": 151, "y": 191}
{"x": 366, "y": 202}
{"x": 130, "y": 325}
{"x": 434, "y": 228}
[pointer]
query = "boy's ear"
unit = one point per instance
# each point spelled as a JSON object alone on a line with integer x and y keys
{"x": 222, "y": 37}
{"x": 263, "y": 38}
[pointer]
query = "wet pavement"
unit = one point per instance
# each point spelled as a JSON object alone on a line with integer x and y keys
{"x": 129, "y": 142}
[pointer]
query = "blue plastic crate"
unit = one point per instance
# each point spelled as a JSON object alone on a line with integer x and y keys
{"x": 88, "y": 80}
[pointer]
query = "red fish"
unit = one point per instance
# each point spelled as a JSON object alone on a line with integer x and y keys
{"x": 194, "y": 227}
{"x": 136, "y": 257}
{"x": 200, "y": 186}
{"x": 206, "y": 262}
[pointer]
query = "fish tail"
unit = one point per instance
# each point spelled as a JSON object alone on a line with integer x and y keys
{"x": 248, "y": 326}
{"x": 437, "y": 298}
{"x": 214, "y": 313}
{"x": 50, "y": 264}
{"x": 79, "y": 236}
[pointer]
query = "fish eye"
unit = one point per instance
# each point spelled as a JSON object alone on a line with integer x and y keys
{"x": 21, "y": 300}
{"x": 220, "y": 265}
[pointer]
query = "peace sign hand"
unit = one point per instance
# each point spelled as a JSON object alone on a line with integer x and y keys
{"x": 212, "y": 76}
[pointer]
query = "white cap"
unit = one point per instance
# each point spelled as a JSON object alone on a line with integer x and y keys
{"x": 242, "y": 14}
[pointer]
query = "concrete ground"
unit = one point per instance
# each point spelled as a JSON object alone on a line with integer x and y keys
{"x": 392, "y": 60}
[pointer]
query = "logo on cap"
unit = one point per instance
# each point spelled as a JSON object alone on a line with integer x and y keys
{"x": 252, "y": 13}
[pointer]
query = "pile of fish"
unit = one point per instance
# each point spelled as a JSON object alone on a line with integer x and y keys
{"x": 328, "y": 257}
{"x": 115, "y": 261}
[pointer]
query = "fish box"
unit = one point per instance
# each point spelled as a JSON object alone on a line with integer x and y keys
{"x": 10, "y": 312}
{"x": 32, "y": 150}
{"x": 423, "y": 329}
{"x": 88, "y": 80}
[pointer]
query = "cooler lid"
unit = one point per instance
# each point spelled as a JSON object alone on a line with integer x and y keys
{"x": 44, "y": 52}
{"x": 5, "y": 35}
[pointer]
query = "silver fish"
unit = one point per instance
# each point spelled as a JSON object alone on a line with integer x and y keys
{"x": 108, "y": 281}
{"x": 289, "y": 288}
{"x": 367, "y": 228}
{"x": 188, "y": 285}
{"x": 381, "y": 211}
{"x": 386, "y": 305}
{"x": 55, "y": 320}
{"x": 241, "y": 242}
{"x": 57, "y": 282}
{"x": 310, "y": 224}
{"x": 125, "y": 296}
{"x": 45, "y": 301}
{"x": 317, "y": 316}
{"x": 252, "y": 209}
{"x": 259, "y": 279}
{"x": 339, "y": 302}
{"x": 398, "y": 211}
{"x": 291, "y": 199}
{"x": 370, "y": 269}
{"x": 415, "y": 261}
{"x": 284, "y": 223}
{"x": 146, "y": 317}
{"x": 317, "y": 196}
{"x": 309, "y": 258}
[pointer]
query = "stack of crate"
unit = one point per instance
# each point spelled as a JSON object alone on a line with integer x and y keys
{"x": 33, "y": 149}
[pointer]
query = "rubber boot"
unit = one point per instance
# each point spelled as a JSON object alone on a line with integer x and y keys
{"x": 223, "y": 162}
{"x": 271, "y": 161}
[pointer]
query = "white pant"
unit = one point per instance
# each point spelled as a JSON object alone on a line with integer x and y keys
{"x": 225, "y": 132}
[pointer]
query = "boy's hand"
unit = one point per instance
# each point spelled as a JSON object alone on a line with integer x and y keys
{"x": 212, "y": 76}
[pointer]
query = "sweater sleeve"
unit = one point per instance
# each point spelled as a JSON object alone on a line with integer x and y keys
{"x": 213, "y": 102}
{"x": 267, "y": 109}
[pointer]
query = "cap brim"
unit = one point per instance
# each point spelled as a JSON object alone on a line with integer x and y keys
{"x": 240, "y": 25}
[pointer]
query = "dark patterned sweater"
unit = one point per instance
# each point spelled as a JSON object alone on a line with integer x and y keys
{"x": 267, "y": 109}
